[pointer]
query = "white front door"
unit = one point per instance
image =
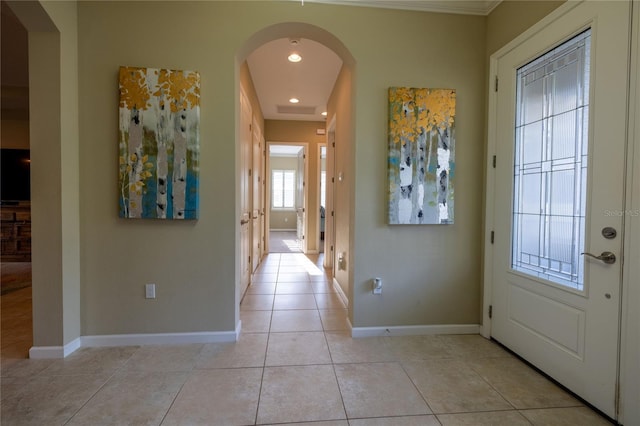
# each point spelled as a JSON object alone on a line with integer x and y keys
{"x": 558, "y": 186}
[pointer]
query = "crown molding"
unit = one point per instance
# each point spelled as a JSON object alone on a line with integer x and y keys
{"x": 464, "y": 7}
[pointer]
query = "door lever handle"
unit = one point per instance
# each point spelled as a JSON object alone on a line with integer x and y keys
{"x": 606, "y": 257}
{"x": 244, "y": 221}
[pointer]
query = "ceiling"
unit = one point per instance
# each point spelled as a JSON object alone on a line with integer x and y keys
{"x": 276, "y": 80}
{"x": 311, "y": 80}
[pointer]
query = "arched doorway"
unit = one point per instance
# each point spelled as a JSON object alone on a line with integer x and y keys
{"x": 341, "y": 108}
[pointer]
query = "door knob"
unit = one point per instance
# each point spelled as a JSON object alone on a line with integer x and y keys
{"x": 606, "y": 257}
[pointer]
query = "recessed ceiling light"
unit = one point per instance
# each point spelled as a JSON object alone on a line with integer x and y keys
{"x": 294, "y": 100}
{"x": 323, "y": 113}
{"x": 294, "y": 57}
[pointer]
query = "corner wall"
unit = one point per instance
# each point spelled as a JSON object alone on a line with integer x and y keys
{"x": 53, "y": 113}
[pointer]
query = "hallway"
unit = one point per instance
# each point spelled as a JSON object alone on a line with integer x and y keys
{"x": 284, "y": 242}
{"x": 295, "y": 362}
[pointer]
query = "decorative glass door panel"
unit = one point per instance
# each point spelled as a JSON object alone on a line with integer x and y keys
{"x": 550, "y": 164}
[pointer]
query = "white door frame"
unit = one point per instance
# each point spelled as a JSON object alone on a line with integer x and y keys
{"x": 329, "y": 222}
{"x": 245, "y": 164}
{"x": 629, "y": 371}
{"x": 320, "y": 242}
{"x": 629, "y": 410}
{"x": 267, "y": 178}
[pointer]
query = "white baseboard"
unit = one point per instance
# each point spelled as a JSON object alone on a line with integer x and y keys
{"x": 338, "y": 289}
{"x": 415, "y": 330}
{"x": 48, "y": 352}
{"x": 53, "y": 352}
{"x": 161, "y": 338}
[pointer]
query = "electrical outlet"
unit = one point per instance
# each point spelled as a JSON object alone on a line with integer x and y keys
{"x": 376, "y": 285}
{"x": 150, "y": 291}
{"x": 342, "y": 261}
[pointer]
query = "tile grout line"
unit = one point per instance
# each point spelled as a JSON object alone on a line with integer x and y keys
{"x": 99, "y": 388}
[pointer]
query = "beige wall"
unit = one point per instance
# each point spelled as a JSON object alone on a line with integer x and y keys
{"x": 431, "y": 273}
{"x": 246, "y": 82}
{"x": 282, "y": 220}
{"x": 510, "y": 18}
{"x": 340, "y": 111}
{"x": 54, "y": 142}
{"x": 301, "y": 131}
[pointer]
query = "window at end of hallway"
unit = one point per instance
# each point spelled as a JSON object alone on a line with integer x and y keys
{"x": 283, "y": 185}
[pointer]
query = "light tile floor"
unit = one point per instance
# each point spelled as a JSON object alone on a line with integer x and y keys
{"x": 294, "y": 364}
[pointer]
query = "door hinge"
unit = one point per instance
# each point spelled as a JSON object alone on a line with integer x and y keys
{"x": 492, "y": 236}
{"x": 496, "y": 87}
{"x": 304, "y": 156}
{"x": 333, "y": 144}
{"x": 494, "y": 161}
{"x": 249, "y": 172}
{"x": 490, "y": 311}
{"x": 333, "y": 180}
{"x": 331, "y": 213}
{"x": 250, "y": 127}
{"x": 249, "y": 260}
{"x": 331, "y": 248}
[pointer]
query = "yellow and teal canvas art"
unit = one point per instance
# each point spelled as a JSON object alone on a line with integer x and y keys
{"x": 159, "y": 143}
{"x": 421, "y": 162}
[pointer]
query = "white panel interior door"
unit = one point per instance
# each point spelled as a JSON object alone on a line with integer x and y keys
{"x": 245, "y": 193}
{"x": 559, "y": 118}
{"x": 300, "y": 198}
{"x": 329, "y": 234}
{"x": 256, "y": 196}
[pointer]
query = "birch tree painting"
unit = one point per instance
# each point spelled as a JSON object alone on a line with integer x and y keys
{"x": 421, "y": 159}
{"x": 159, "y": 143}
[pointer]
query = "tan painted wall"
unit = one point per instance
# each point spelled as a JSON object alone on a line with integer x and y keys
{"x": 510, "y": 18}
{"x": 431, "y": 273}
{"x": 247, "y": 83}
{"x": 340, "y": 107}
{"x": 65, "y": 16}
{"x": 54, "y": 142}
